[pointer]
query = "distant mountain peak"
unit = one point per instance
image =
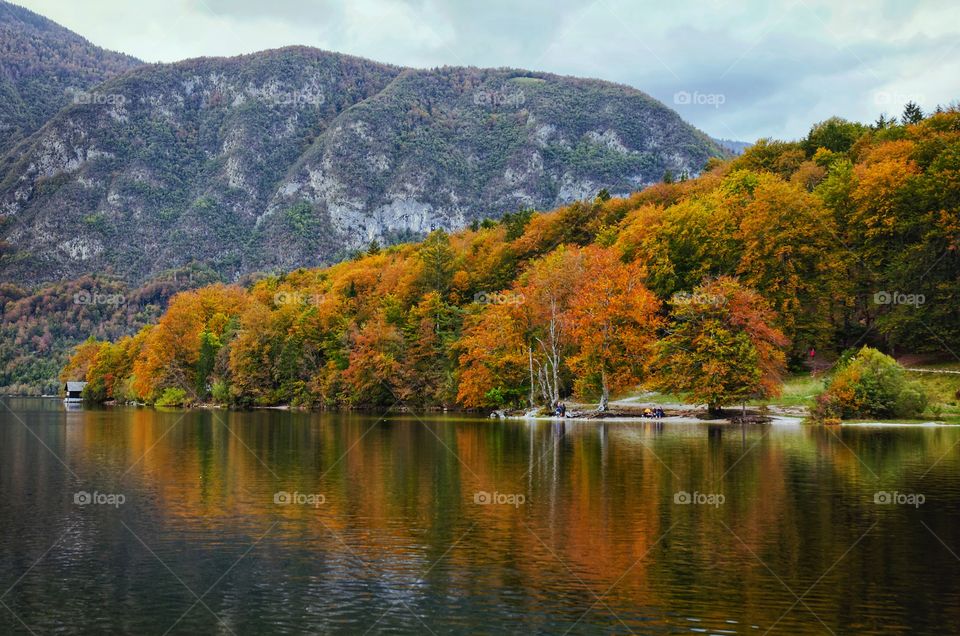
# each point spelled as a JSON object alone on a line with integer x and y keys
{"x": 732, "y": 146}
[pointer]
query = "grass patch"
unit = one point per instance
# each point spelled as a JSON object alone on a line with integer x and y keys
{"x": 798, "y": 390}
{"x": 941, "y": 387}
{"x": 528, "y": 80}
{"x": 802, "y": 389}
{"x": 650, "y": 397}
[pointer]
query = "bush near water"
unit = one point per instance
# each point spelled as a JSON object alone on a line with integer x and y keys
{"x": 870, "y": 384}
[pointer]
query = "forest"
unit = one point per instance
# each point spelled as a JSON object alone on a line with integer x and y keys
{"x": 713, "y": 287}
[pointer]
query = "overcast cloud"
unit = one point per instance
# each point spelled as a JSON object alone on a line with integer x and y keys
{"x": 738, "y": 70}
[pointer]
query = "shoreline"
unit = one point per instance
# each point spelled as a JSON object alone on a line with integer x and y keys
{"x": 632, "y": 410}
{"x": 927, "y": 424}
{"x": 778, "y": 420}
{"x": 620, "y": 414}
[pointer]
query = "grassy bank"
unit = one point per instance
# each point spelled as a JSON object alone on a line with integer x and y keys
{"x": 800, "y": 391}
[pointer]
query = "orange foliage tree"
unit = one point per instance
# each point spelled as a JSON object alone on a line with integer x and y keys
{"x": 492, "y": 358}
{"x": 612, "y": 322}
{"x": 84, "y": 355}
{"x": 172, "y": 349}
{"x": 373, "y": 373}
{"x": 792, "y": 251}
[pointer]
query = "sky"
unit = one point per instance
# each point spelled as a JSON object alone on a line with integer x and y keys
{"x": 736, "y": 69}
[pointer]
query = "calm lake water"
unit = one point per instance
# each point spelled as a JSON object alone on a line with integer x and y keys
{"x": 135, "y": 521}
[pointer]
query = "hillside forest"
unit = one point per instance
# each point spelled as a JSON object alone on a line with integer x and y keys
{"x": 712, "y": 286}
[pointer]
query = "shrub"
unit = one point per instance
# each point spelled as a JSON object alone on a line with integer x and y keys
{"x": 870, "y": 384}
{"x": 172, "y": 397}
{"x": 220, "y": 392}
{"x": 911, "y": 402}
{"x": 501, "y": 396}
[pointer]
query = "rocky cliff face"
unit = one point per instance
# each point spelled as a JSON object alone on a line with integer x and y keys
{"x": 296, "y": 156}
{"x": 437, "y": 149}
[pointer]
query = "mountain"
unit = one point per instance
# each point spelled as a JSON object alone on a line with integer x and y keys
{"x": 170, "y": 164}
{"x": 295, "y": 157}
{"x": 733, "y": 146}
{"x": 38, "y": 330}
{"x": 43, "y": 67}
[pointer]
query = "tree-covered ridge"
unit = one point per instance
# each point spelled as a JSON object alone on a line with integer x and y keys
{"x": 43, "y": 67}
{"x": 296, "y": 156}
{"x": 845, "y": 238}
{"x": 38, "y": 330}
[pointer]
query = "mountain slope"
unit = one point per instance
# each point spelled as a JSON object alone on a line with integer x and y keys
{"x": 443, "y": 147}
{"x": 733, "y": 146}
{"x": 173, "y": 164}
{"x": 43, "y": 67}
{"x": 296, "y": 156}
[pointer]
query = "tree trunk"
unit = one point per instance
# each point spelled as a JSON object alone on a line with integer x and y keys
{"x": 555, "y": 366}
{"x": 604, "y": 393}
{"x": 530, "y": 355}
{"x": 544, "y": 384}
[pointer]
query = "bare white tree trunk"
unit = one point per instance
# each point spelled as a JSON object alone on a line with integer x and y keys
{"x": 530, "y": 356}
{"x": 555, "y": 349}
{"x": 549, "y": 358}
{"x": 544, "y": 383}
{"x": 604, "y": 393}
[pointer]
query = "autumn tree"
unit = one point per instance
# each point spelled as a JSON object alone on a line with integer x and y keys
{"x": 612, "y": 322}
{"x": 520, "y": 337}
{"x": 770, "y": 155}
{"x": 492, "y": 358}
{"x": 686, "y": 242}
{"x": 373, "y": 373}
{"x": 251, "y": 357}
{"x": 106, "y": 367}
{"x": 543, "y": 296}
{"x": 438, "y": 262}
{"x": 84, "y": 355}
{"x": 109, "y": 367}
{"x": 793, "y": 253}
{"x": 172, "y": 350}
{"x": 721, "y": 346}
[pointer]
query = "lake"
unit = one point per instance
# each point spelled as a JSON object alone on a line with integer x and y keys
{"x": 127, "y": 520}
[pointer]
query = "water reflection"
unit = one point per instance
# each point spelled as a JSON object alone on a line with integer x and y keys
{"x": 468, "y": 525}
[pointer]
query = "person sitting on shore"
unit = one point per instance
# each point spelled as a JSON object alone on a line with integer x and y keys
{"x": 647, "y": 412}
